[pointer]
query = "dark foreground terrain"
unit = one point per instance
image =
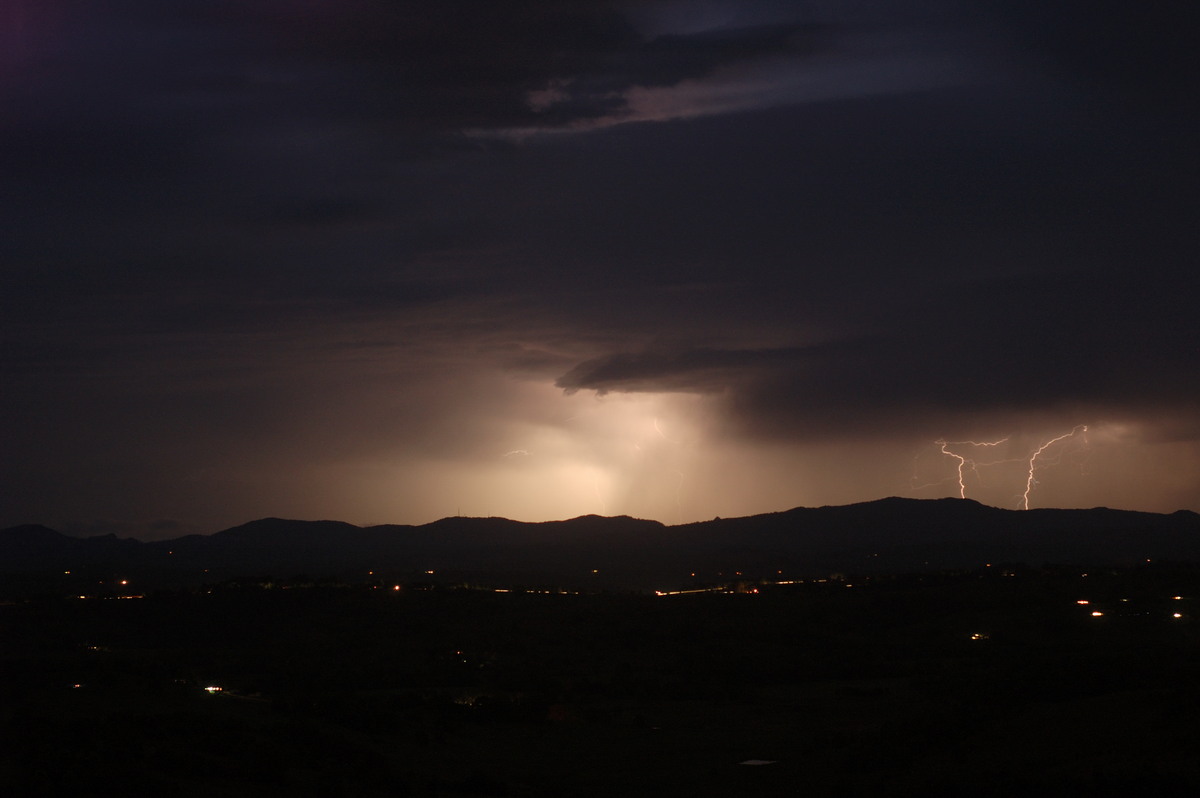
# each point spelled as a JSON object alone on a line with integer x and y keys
{"x": 996, "y": 682}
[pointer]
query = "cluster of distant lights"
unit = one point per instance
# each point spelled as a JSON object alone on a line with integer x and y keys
{"x": 721, "y": 589}
{"x": 1094, "y": 613}
{"x": 742, "y": 590}
{"x": 725, "y": 589}
{"x": 1101, "y": 614}
{"x": 122, "y": 583}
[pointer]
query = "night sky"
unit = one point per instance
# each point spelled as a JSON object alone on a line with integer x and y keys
{"x": 387, "y": 261}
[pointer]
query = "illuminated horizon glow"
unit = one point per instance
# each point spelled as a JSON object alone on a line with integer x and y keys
{"x": 606, "y": 456}
{"x": 1030, "y": 480}
{"x": 617, "y": 453}
{"x": 635, "y": 453}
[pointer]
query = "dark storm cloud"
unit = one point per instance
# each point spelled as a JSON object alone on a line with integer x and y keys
{"x": 440, "y": 67}
{"x": 243, "y": 238}
{"x": 1055, "y": 242}
{"x": 216, "y": 125}
{"x": 1141, "y": 50}
{"x": 1000, "y": 348}
{"x": 697, "y": 370}
{"x": 474, "y": 64}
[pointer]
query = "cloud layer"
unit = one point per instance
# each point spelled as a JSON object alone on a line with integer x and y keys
{"x": 336, "y": 259}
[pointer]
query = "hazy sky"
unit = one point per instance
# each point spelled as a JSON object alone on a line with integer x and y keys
{"x": 387, "y": 261}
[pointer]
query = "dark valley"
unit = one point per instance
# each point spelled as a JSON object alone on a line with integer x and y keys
{"x": 512, "y": 669}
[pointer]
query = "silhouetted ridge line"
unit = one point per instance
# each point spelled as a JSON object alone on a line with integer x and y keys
{"x": 892, "y": 534}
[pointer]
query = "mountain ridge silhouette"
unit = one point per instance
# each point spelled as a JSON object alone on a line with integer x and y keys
{"x": 890, "y": 534}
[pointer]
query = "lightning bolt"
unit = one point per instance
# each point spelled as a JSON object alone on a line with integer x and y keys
{"x": 963, "y": 460}
{"x": 1033, "y": 458}
{"x": 662, "y": 434}
{"x": 599, "y": 496}
{"x": 678, "y": 485}
{"x": 679, "y": 495}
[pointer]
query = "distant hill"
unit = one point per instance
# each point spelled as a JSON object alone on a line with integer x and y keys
{"x": 887, "y": 535}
